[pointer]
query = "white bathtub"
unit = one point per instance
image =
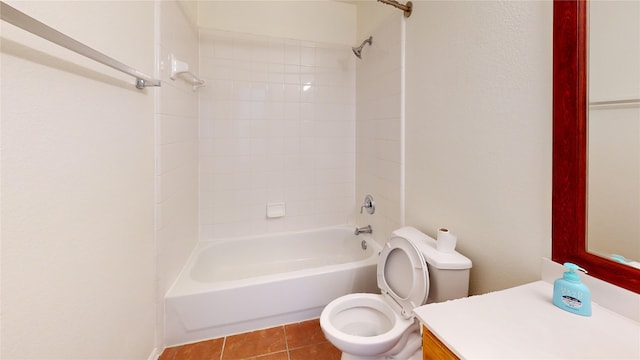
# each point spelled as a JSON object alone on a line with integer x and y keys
{"x": 242, "y": 284}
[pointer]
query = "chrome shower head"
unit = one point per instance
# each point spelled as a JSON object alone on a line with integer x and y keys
{"x": 358, "y": 50}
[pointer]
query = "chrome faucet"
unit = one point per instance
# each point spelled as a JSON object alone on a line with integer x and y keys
{"x": 363, "y": 230}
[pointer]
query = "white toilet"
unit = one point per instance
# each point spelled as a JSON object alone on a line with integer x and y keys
{"x": 411, "y": 272}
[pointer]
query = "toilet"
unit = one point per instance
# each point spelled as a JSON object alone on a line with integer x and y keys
{"x": 411, "y": 272}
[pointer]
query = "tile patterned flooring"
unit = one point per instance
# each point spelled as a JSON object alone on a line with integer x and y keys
{"x": 299, "y": 341}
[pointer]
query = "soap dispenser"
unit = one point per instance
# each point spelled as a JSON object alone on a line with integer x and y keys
{"x": 570, "y": 294}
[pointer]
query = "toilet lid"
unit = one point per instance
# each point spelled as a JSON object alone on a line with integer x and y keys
{"x": 403, "y": 275}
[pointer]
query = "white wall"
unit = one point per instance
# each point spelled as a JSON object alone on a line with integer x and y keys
{"x": 176, "y": 146}
{"x": 323, "y": 21}
{"x": 379, "y": 124}
{"x": 370, "y": 14}
{"x": 276, "y": 125}
{"x": 78, "y": 260}
{"x": 478, "y": 132}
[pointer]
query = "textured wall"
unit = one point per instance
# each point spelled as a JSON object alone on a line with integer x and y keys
{"x": 479, "y": 132}
{"x": 78, "y": 259}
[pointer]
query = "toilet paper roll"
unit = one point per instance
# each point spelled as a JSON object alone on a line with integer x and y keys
{"x": 446, "y": 241}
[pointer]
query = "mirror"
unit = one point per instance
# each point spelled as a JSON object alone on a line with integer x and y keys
{"x": 613, "y": 123}
{"x": 570, "y": 106}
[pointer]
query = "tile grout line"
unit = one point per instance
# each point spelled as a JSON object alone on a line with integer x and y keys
{"x": 224, "y": 342}
{"x": 286, "y": 342}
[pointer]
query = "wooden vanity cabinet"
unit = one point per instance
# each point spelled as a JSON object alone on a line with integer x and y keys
{"x": 433, "y": 348}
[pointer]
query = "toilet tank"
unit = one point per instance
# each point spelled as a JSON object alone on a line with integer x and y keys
{"x": 448, "y": 271}
{"x": 447, "y": 284}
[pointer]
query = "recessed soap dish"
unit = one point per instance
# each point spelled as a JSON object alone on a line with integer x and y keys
{"x": 275, "y": 210}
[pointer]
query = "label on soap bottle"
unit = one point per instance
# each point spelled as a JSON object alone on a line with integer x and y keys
{"x": 571, "y": 302}
{"x": 571, "y": 298}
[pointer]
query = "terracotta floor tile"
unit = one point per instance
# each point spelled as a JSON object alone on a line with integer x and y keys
{"x": 322, "y": 351}
{"x": 304, "y": 333}
{"x": 168, "y": 353}
{"x": 304, "y": 340}
{"x": 255, "y": 343}
{"x": 204, "y": 350}
{"x": 283, "y": 355}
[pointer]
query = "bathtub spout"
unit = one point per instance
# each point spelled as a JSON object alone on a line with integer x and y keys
{"x": 363, "y": 230}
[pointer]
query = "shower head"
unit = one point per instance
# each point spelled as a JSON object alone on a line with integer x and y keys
{"x": 358, "y": 50}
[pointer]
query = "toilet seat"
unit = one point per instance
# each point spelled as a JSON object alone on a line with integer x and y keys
{"x": 403, "y": 277}
{"x": 385, "y": 328}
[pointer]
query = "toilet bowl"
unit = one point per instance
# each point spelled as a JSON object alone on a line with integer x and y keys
{"x": 382, "y": 326}
{"x": 362, "y": 324}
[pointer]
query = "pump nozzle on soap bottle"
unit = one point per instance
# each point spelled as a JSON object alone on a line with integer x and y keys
{"x": 570, "y": 294}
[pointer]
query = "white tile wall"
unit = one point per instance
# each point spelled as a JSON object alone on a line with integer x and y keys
{"x": 277, "y": 123}
{"x": 379, "y": 144}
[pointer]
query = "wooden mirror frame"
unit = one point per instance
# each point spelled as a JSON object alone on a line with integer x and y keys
{"x": 570, "y": 105}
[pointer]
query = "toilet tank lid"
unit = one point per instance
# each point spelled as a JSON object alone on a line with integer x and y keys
{"x": 435, "y": 258}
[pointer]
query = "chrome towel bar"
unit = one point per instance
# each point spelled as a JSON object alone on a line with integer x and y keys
{"x": 27, "y": 23}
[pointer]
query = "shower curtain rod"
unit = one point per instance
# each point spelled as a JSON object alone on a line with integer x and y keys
{"x": 27, "y": 23}
{"x": 620, "y": 102}
{"x": 405, "y": 8}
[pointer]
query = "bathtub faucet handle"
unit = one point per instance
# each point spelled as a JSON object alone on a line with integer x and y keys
{"x": 363, "y": 230}
{"x": 368, "y": 204}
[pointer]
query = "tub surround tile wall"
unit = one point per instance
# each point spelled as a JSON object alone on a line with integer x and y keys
{"x": 277, "y": 124}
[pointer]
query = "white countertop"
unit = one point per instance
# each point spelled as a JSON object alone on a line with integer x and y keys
{"x": 523, "y": 323}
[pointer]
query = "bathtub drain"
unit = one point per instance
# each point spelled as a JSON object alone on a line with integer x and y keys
{"x": 363, "y": 244}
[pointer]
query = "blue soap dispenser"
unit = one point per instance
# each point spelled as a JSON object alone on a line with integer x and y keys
{"x": 570, "y": 294}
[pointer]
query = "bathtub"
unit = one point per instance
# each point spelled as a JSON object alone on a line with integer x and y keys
{"x": 241, "y": 284}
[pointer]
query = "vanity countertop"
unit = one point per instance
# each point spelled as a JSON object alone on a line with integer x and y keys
{"x": 522, "y": 322}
